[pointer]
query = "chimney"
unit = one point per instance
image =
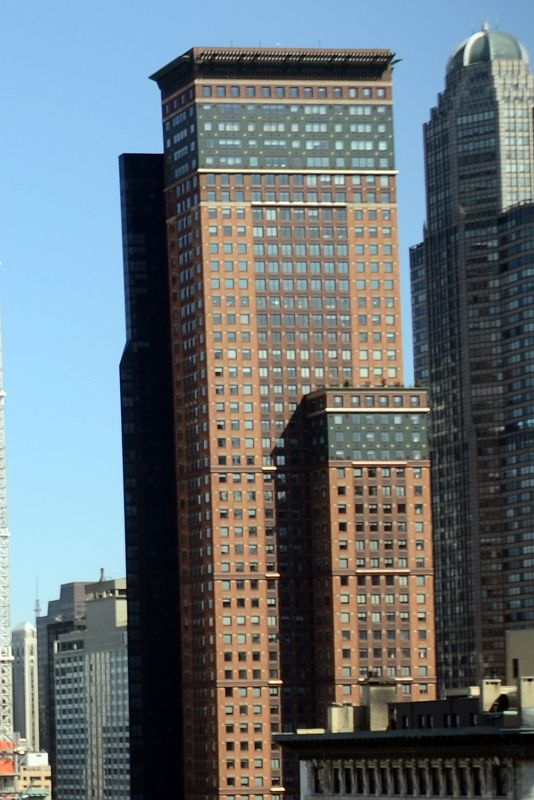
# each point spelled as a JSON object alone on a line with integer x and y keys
{"x": 376, "y": 697}
{"x": 490, "y": 691}
{"x": 526, "y": 701}
{"x": 340, "y": 718}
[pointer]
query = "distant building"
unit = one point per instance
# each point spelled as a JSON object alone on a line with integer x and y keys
{"x": 25, "y": 684}
{"x": 64, "y": 615}
{"x": 519, "y": 654}
{"x": 476, "y": 744}
{"x": 35, "y": 776}
{"x": 91, "y": 699}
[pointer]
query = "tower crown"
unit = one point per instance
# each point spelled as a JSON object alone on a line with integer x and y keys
{"x": 485, "y": 46}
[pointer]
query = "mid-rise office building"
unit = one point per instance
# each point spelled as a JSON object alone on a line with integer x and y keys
{"x": 473, "y": 320}
{"x": 91, "y": 700}
{"x": 276, "y": 471}
{"x": 25, "y": 684}
{"x": 63, "y": 615}
{"x": 34, "y": 777}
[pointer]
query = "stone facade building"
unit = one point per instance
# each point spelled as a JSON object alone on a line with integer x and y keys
{"x": 476, "y": 745}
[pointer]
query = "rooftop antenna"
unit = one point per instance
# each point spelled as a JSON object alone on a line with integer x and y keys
{"x": 37, "y": 607}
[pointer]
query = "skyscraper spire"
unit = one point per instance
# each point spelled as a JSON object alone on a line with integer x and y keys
{"x": 37, "y": 607}
{"x": 6, "y": 683}
{"x": 6, "y": 717}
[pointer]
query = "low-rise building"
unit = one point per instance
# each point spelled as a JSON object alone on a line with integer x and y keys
{"x": 474, "y": 743}
{"x": 34, "y": 775}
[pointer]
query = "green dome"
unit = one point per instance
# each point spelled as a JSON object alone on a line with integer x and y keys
{"x": 486, "y": 46}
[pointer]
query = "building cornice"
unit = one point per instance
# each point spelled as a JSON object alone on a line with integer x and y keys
{"x": 278, "y": 62}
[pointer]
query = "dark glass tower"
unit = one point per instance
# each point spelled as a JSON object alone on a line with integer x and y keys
{"x": 473, "y": 321}
{"x": 149, "y": 487}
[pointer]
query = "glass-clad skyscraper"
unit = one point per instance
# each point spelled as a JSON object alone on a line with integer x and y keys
{"x": 473, "y": 304}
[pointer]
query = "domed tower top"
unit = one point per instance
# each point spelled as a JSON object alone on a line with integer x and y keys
{"x": 484, "y": 46}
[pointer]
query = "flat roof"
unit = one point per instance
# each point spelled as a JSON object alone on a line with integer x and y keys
{"x": 284, "y": 63}
{"x": 520, "y": 740}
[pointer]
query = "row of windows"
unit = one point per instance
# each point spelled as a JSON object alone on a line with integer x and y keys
{"x": 400, "y": 437}
{"x": 296, "y": 196}
{"x": 304, "y": 337}
{"x": 305, "y": 302}
{"x": 247, "y": 408}
{"x": 391, "y": 634}
{"x": 289, "y": 162}
{"x": 257, "y": 762}
{"x": 301, "y": 214}
{"x": 179, "y": 119}
{"x": 291, "y": 372}
{"x": 181, "y": 99}
{"x": 235, "y": 442}
{"x": 386, "y": 490}
{"x": 383, "y": 453}
{"x": 237, "y": 126}
{"x": 377, "y": 563}
{"x": 272, "y": 110}
{"x": 313, "y": 285}
{"x": 315, "y": 268}
{"x": 300, "y": 232}
{"x": 240, "y": 602}
{"x": 369, "y": 181}
{"x": 388, "y": 598}
{"x": 378, "y": 635}
{"x": 370, "y": 401}
{"x": 292, "y": 91}
{"x": 375, "y": 526}
{"x": 326, "y": 145}
{"x": 295, "y": 179}
{"x": 237, "y": 532}
{"x": 274, "y": 249}
{"x": 307, "y": 144}
{"x": 309, "y": 267}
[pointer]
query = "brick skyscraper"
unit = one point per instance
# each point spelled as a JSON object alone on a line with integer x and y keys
{"x": 473, "y": 321}
{"x": 276, "y": 474}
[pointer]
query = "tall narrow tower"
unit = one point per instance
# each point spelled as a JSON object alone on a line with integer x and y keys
{"x": 473, "y": 319}
{"x": 281, "y": 549}
{"x": 7, "y": 765}
{"x": 25, "y": 685}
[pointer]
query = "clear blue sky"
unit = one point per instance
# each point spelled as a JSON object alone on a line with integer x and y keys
{"x": 74, "y": 94}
